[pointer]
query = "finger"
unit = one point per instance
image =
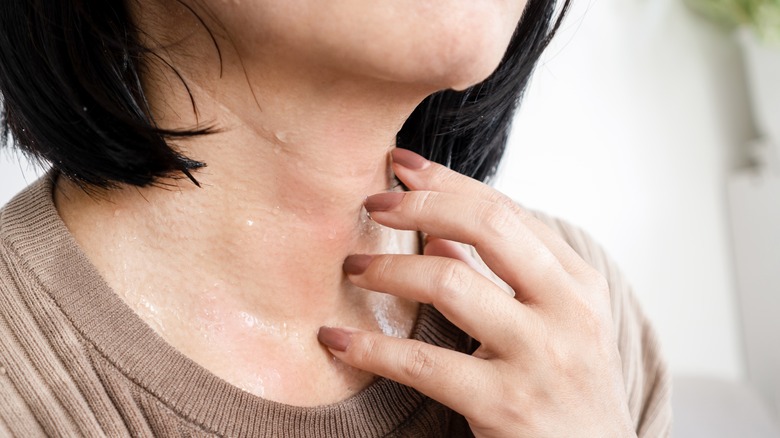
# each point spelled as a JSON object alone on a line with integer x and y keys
{"x": 421, "y": 174}
{"x": 503, "y": 241}
{"x": 465, "y": 297}
{"x": 457, "y": 380}
{"x": 435, "y": 246}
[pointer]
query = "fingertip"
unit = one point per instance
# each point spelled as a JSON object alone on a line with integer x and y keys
{"x": 383, "y": 201}
{"x": 409, "y": 160}
{"x": 356, "y": 264}
{"x": 335, "y": 338}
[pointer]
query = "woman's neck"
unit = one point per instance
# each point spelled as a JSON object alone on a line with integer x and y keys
{"x": 251, "y": 260}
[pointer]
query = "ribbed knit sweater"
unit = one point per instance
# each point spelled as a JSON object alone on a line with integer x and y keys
{"x": 76, "y": 361}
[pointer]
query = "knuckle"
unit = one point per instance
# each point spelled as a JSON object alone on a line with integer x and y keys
{"x": 422, "y": 201}
{"x": 593, "y": 324}
{"x": 448, "y": 177}
{"x": 383, "y": 269}
{"x": 419, "y": 363}
{"x": 589, "y": 280}
{"x": 500, "y": 220}
{"x": 367, "y": 350}
{"x": 511, "y": 205}
{"x": 595, "y": 284}
{"x": 582, "y": 269}
{"x": 453, "y": 279}
{"x": 560, "y": 358}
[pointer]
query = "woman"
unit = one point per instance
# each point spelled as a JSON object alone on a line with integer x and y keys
{"x": 229, "y": 242}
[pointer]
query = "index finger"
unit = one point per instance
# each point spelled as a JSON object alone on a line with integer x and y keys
{"x": 421, "y": 174}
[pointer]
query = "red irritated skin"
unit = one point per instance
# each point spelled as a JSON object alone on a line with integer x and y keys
{"x": 548, "y": 364}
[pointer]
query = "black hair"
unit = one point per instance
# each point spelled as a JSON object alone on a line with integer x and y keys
{"x": 71, "y": 96}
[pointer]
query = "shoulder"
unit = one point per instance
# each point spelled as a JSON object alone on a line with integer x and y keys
{"x": 9, "y": 259}
{"x": 16, "y": 414}
{"x": 645, "y": 372}
{"x": 16, "y": 234}
{"x": 31, "y": 372}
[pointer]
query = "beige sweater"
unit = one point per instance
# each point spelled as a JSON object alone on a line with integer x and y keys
{"x": 76, "y": 361}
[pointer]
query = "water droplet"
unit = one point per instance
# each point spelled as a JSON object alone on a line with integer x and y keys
{"x": 248, "y": 320}
{"x": 276, "y": 210}
{"x": 250, "y": 222}
{"x": 84, "y": 108}
{"x": 332, "y": 234}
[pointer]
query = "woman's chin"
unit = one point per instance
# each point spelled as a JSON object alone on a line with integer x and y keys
{"x": 473, "y": 77}
{"x": 460, "y": 74}
{"x": 463, "y": 62}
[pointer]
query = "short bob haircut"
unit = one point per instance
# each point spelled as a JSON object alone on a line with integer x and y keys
{"x": 71, "y": 96}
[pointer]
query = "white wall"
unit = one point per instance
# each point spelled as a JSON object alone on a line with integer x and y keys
{"x": 754, "y": 218}
{"x": 629, "y": 130}
{"x": 14, "y": 174}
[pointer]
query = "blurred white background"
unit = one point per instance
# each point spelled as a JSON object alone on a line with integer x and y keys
{"x": 631, "y": 128}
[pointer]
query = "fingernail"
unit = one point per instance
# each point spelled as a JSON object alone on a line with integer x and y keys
{"x": 383, "y": 201}
{"x": 409, "y": 159}
{"x": 334, "y": 338}
{"x": 356, "y": 264}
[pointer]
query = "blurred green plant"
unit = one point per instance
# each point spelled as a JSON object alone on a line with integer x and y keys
{"x": 761, "y": 16}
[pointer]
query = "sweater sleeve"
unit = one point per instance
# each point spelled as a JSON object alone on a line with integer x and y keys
{"x": 645, "y": 372}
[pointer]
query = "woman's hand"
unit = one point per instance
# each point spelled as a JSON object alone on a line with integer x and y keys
{"x": 548, "y": 364}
